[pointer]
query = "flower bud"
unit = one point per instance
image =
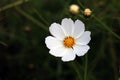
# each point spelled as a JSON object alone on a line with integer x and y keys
{"x": 87, "y": 12}
{"x": 74, "y": 9}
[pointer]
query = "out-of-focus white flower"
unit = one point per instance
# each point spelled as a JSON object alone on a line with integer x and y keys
{"x": 68, "y": 39}
{"x": 74, "y": 9}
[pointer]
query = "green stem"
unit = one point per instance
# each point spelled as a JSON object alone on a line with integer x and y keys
{"x": 13, "y": 4}
{"x": 32, "y": 19}
{"x": 74, "y": 66}
{"x": 113, "y": 57}
{"x": 59, "y": 70}
{"x": 80, "y": 4}
{"x": 85, "y": 71}
{"x": 40, "y": 16}
{"x": 106, "y": 27}
{"x": 3, "y": 43}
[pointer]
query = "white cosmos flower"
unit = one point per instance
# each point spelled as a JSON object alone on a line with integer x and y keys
{"x": 68, "y": 39}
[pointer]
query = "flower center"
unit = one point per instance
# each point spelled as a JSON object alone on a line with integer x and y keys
{"x": 69, "y": 42}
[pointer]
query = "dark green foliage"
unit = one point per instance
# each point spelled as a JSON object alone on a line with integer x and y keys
{"x": 24, "y": 55}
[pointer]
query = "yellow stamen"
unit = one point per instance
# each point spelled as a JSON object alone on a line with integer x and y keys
{"x": 69, "y": 42}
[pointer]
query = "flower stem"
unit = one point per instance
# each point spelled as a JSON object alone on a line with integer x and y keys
{"x": 85, "y": 71}
{"x": 3, "y": 43}
{"x": 74, "y": 66}
{"x": 40, "y": 16}
{"x": 32, "y": 19}
{"x": 106, "y": 27}
{"x": 113, "y": 56}
{"x": 80, "y": 4}
{"x": 13, "y": 4}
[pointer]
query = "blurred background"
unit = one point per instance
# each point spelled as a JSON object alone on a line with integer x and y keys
{"x": 24, "y": 25}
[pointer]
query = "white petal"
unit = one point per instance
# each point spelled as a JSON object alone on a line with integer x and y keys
{"x": 80, "y": 50}
{"x": 52, "y": 42}
{"x": 56, "y": 31}
{"x": 68, "y": 26}
{"x": 58, "y": 51}
{"x": 84, "y": 38}
{"x": 69, "y": 55}
{"x": 79, "y": 28}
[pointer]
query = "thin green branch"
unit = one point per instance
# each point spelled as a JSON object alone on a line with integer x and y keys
{"x": 32, "y": 19}
{"x": 80, "y": 4}
{"x": 106, "y": 27}
{"x": 40, "y": 16}
{"x": 85, "y": 71}
{"x": 113, "y": 57}
{"x": 3, "y": 43}
{"x": 74, "y": 66}
{"x": 14, "y": 4}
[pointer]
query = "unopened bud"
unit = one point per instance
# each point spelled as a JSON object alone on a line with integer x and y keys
{"x": 74, "y": 9}
{"x": 87, "y": 12}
